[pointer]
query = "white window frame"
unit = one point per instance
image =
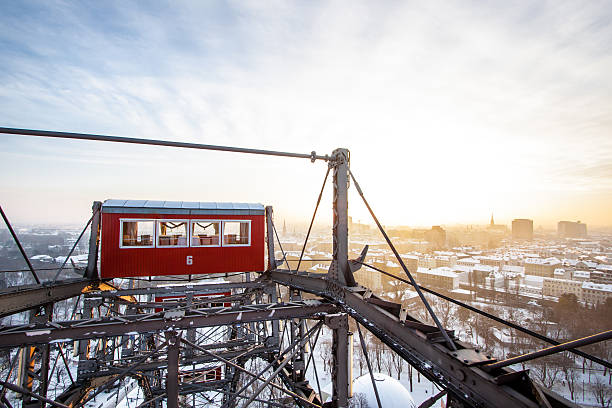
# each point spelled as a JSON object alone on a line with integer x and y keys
{"x": 154, "y": 240}
{"x": 234, "y": 245}
{"x": 205, "y": 220}
{"x": 157, "y": 230}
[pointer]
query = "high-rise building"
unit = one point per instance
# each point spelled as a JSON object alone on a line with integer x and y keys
{"x": 522, "y": 228}
{"x": 437, "y": 236}
{"x": 570, "y": 229}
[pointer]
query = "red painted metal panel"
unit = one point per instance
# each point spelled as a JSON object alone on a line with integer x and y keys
{"x": 116, "y": 262}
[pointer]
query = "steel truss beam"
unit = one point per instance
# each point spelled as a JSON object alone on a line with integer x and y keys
{"x": 184, "y": 289}
{"x": 15, "y": 336}
{"x": 456, "y": 371}
{"x": 21, "y": 298}
{"x": 99, "y": 370}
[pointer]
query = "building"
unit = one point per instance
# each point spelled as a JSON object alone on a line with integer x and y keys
{"x": 493, "y": 261}
{"x": 470, "y": 262}
{"x": 464, "y": 273}
{"x": 581, "y": 276}
{"x": 541, "y": 267}
{"x": 445, "y": 260}
{"x": 602, "y": 274}
{"x": 513, "y": 270}
{"x": 595, "y": 293}
{"x": 436, "y": 236}
{"x": 557, "y": 287}
{"x": 569, "y": 229}
{"x": 439, "y": 277}
{"x": 411, "y": 262}
{"x": 561, "y": 273}
{"x": 480, "y": 273}
{"x": 358, "y": 227}
{"x": 494, "y": 280}
{"x": 369, "y": 278}
{"x": 496, "y": 228}
{"x": 522, "y": 228}
{"x": 427, "y": 262}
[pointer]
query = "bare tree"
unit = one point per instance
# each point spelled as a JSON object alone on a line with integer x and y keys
{"x": 359, "y": 400}
{"x": 546, "y": 373}
{"x": 325, "y": 352}
{"x": 602, "y": 393}
{"x": 388, "y": 361}
{"x": 398, "y": 364}
{"x": 375, "y": 352}
{"x": 361, "y": 357}
{"x": 410, "y": 377}
{"x": 446, "y": 312}
{"x": 569, "y": 373}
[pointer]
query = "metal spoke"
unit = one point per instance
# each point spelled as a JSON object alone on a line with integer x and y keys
{"x": 367, "y": 359}
{"x": 314, "y": 214}
{"x": 25, "y": 256}
{"x": 291, "y": 393}
{"x": 73, "y": 248}
{"x": 450, "y": 343}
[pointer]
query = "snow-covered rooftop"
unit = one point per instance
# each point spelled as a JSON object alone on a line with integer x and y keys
{"x": 441, "y": 271}
{"x": 597, "y": 286}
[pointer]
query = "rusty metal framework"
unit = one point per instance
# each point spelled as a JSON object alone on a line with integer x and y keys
{"x": 254, "y": 345}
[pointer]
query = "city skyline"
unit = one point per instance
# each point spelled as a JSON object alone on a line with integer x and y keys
{"x": 450, "y": 111}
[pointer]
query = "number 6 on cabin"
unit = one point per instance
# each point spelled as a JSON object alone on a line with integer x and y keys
{"x": 189, "y": 260}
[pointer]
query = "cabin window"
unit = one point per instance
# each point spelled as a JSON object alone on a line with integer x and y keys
{"x": 172, "y": 233}
{"x": 236, "y": 233}
{"x": 205, "y": 233}
{"x": 212, "y": 375}
{"x": 137, "y": 233}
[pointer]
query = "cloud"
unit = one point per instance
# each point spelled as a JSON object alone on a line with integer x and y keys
{"x": 434, "y": 96}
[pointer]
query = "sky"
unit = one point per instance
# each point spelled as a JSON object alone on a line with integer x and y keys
{"x": 451, "y": 110}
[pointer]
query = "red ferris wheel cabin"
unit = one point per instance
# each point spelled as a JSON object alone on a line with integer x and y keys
{"x": 153, "y": 238}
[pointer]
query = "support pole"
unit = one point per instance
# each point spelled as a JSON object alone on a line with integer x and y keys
{"x": 172, "y": 388}
{"x": 340, "y": 271}
{"x": 270, "y": 238}
{"x": 340, "y": 369}
{"x": 340, "y": 274}
{"x": 45, "y": 356}
{"x": 84, "y": 345}
{"x": 33, "y": 356}
{"x": 94, "y": 239}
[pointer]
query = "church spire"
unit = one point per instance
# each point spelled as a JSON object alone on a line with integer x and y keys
{"x": 492, "y": 222}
